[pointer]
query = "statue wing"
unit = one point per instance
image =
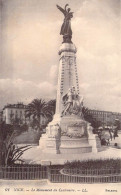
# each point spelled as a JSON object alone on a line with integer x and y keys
{"x": 61, "y": 9}
{"x": 66, "y": 6}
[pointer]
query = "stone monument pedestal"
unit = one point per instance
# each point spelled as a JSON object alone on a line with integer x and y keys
{"x": 71, "y": 135}
{"x": 74, "y": 135}
{"x": 68, "y": 133}
{"x": 49, "y": 145}
{"x": 50, "y": 142}
{"x": 52, "y": 146}
{"x": 74, "y": 145}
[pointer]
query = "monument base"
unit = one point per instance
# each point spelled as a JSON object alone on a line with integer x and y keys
{"x": 49, "y": 145}
{"x": 70, "y": 135}
{"x": 74, "y": 145}
{"x": 74, "y": 136}
{"x": 73, "y": 126}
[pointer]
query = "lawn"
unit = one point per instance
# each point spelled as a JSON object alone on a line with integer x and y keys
{"x": 27, "y": 137}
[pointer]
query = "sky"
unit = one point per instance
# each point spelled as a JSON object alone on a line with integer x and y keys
{"x": 30, "y": 42}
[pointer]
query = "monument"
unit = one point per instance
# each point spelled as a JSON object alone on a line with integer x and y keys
{"x": 68, "y": 132}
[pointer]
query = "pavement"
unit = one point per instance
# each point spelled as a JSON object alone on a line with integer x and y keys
{"x": 36, "y": 156}
{"x": 44, "y": 187}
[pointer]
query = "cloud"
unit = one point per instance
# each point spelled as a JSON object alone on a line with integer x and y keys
{"x": 13, "y": 91}
{"x": 98, "y": 53}
{"x": 53, "y": 74}
{"x": 30, "y": 51}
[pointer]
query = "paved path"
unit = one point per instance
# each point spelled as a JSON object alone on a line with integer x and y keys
{"x": 35, "y": 155}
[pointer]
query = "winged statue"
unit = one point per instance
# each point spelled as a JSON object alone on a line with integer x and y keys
{"x": 66, "y": 26}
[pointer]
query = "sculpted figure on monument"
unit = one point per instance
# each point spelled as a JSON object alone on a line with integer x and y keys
{"x": 68, "y": 102}
{"x": 72, "y": 103}
{"x": 66, "y": 26}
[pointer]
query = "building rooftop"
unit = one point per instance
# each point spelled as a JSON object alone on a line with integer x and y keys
{"x": 95, "y": 110}
{"x": 18, "y": 105}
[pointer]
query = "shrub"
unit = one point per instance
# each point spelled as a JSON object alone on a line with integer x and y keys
{"x": 94, "y": 164}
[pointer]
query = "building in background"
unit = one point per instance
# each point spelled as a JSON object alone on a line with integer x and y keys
{"x": 17, "y": 113}
{"x": 105, "y": 118}
{"x": 13, "y": 112}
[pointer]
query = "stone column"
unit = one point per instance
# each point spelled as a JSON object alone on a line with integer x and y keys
{"x": 67, "y": 75}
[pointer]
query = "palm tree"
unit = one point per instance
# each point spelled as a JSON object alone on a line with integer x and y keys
{"x": 51, "y": 105}
{"x": 39, "y": 109}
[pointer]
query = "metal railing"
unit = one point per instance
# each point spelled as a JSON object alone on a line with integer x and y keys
{"x": 77, "y": 171}
{"x": 23, "y": 172}
{"x": 84, "y": 176}
{"x": 59, "y": 175}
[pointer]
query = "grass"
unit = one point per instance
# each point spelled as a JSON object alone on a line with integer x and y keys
{"x": 27, "y": 137}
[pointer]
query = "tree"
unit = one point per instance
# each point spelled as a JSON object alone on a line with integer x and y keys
{"x": 51, "y": 105}
{"x": 39, "y": 109}
{"x": 5, "y": 131}
{"x": 117, "y": 123}
{"x": 89, "y": 117}
{"x": 85, "y": 111}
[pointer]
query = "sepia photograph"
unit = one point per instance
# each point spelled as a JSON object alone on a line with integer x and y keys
{"x": 60, "y": 97}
